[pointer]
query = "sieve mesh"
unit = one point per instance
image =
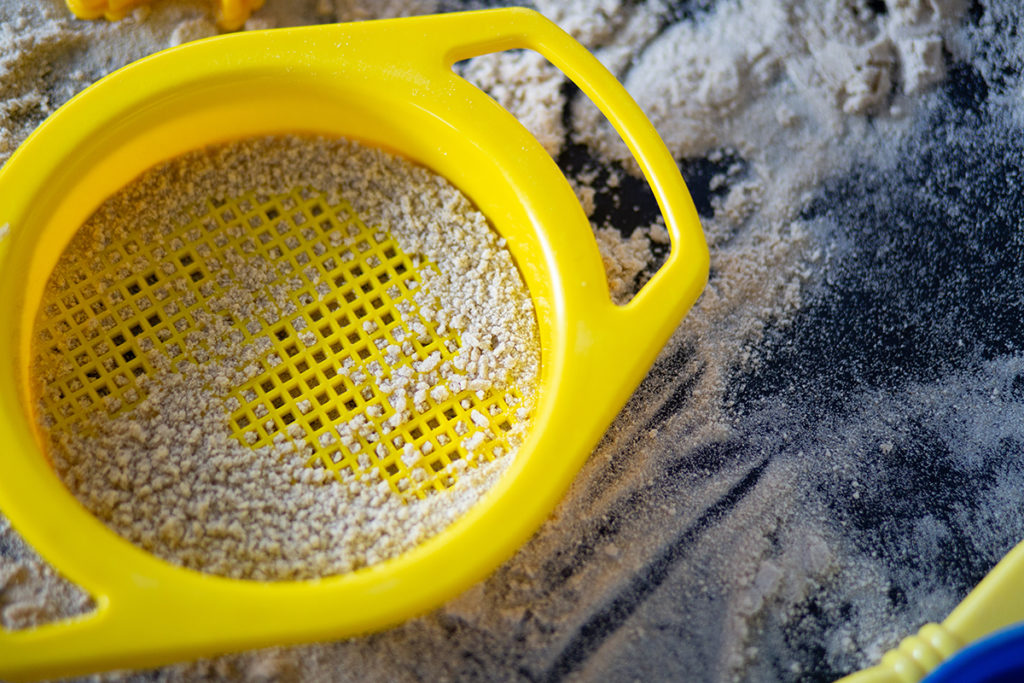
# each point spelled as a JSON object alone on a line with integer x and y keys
{"x": 352, "y": 297}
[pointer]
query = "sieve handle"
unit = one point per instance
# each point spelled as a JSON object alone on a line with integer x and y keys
{"x": 994, "y": 604}
{"x": 657, "y": 309}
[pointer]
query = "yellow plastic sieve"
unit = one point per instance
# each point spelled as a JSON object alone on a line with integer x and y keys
{"x": 389, "y": 84}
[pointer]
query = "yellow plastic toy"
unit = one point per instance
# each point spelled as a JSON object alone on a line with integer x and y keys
{"x": 231, "y": 15}
{"x": 386, "y": 83}
{"x": 994, "y": 604}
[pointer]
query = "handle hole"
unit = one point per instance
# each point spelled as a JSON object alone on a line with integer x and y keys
{"x": 32, "y": 593}
{"x": 623, "y": 213}
{"x": 526, "y": 85}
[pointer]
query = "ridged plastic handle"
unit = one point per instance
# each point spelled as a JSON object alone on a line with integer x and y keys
{"x": 656, "y": 310}
{"x": 996, "y": 602}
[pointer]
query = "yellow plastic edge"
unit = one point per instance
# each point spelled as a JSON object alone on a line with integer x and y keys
{"x": 231, "y": 15}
